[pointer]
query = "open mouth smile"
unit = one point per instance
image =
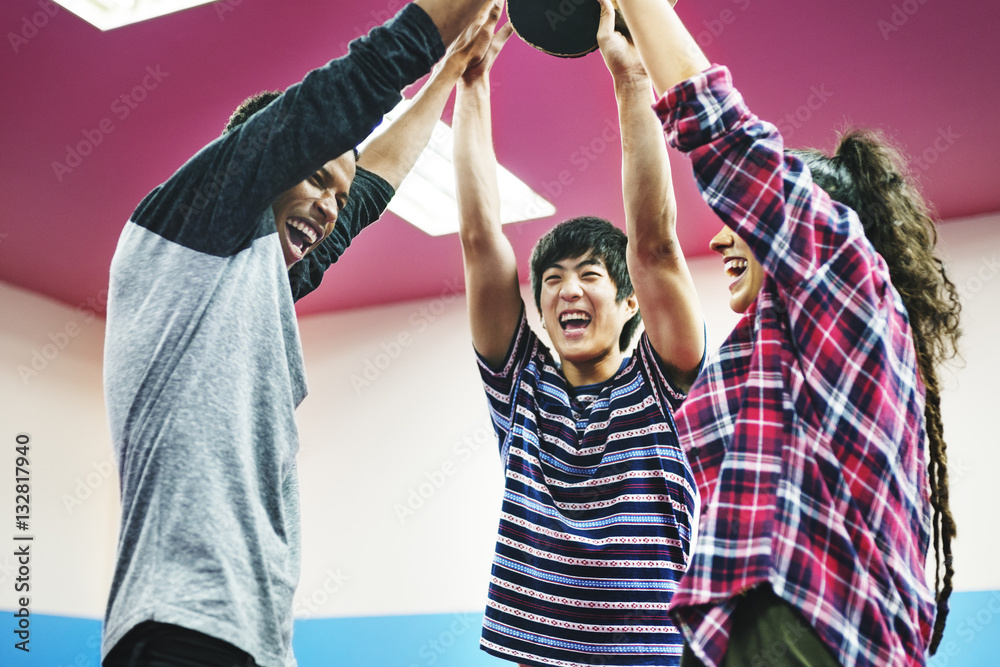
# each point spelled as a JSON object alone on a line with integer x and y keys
{"x": 574, "y": 322}
{"x": 735, "y": 268}
{"x": 302, "y": 235}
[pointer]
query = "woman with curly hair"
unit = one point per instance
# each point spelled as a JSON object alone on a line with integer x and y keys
{"x": 808, "y": 432}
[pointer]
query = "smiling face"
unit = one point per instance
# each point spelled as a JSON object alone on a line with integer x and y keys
{"x": 746, "y": 272}
{"x": 580, "y": 311}
{"x": 307, "y": 213}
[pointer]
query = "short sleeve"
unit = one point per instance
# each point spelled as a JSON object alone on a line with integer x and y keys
{"x": 503, "y": 383}
{"x": 666, "y": 392}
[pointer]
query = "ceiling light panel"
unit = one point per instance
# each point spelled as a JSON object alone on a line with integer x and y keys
{"x": 426, "y": 198}
{"x": 108, "y": 14}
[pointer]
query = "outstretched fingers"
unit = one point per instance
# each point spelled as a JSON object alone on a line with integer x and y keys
{"x": 496, "y": 45}
{"x": 480, "y": 67}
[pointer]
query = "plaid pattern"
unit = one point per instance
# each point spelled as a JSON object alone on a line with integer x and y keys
{"x": 805, "y": 432}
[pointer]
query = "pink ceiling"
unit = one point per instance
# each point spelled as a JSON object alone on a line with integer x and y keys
{"x": 924, "y": 70}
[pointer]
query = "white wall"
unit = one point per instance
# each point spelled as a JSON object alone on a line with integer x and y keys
{"x": 50, "y": 389}
{"x": 399, "y": 469}
{"x": 397, "y": 463}
{"x": 970, "y": 401}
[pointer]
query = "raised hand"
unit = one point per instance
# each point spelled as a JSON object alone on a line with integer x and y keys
{"x": 620, "y": 54}
{"x": 669, "y": 52}
{"x": 494, "y": 42}
{"x": 473, "y": 53}
{"x": 452, "y": 16}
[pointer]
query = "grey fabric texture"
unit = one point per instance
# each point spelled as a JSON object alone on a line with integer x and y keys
{"x": 203, "y": 363}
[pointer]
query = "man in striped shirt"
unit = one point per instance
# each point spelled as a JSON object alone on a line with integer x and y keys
{"x": 595, "y": 525}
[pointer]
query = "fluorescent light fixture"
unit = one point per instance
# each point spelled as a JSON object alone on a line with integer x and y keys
{"x": 426, "y": 198}
{"x": 108, "y": 14}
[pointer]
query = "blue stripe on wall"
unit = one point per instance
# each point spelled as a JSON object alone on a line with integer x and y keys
{"x": 972, "y": 639}
{"x": 442, "y": 640}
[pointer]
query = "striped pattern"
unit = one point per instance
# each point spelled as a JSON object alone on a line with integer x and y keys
{"x": 806, "y": 432}
{"x": 595, "y": 523}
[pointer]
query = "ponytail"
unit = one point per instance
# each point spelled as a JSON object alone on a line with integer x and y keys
{"x": 870, "y": 176}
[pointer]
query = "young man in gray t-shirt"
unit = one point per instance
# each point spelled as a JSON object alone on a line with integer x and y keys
{"x": 203, "y": 363}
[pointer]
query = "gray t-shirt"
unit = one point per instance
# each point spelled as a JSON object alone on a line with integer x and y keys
{"x": 203, "y": 363}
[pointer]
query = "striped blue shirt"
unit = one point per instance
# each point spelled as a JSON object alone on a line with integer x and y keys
{"x": 595, "y": 526}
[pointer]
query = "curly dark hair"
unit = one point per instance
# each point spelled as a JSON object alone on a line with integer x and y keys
{"x": 249, "y": 107}
{"x": 870, "y": 175}
{"x": 587, "y": 237}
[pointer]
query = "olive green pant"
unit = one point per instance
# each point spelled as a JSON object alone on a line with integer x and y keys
{"x": 769, "y": 632}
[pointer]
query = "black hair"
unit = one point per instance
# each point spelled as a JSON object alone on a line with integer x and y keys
{"x": 868, "y": 174}
{"x": 587, "y": 237}
{"x": 252, "y": 105}
{"x": 249, "y": 107}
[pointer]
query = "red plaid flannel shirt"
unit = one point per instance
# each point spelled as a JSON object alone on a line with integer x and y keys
{"x": 805, "y": 432}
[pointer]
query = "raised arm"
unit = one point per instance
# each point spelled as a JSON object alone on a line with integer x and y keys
{"x": 490, "y": 267}
{"x": 766, "y": 197}
{"x": 452, "y": 17}
{"x": 389, "y": 157}
{"x": 666, "y": 293}
{"x": 669, "y": 52}
{"x": 393, "y": 153}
